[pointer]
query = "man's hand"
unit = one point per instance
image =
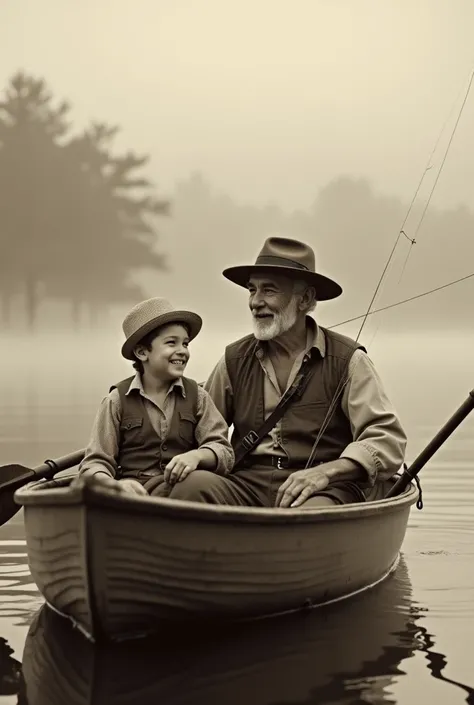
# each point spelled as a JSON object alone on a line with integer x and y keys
{"x": 181, "y": 466}
{"x": 301, "y": 485}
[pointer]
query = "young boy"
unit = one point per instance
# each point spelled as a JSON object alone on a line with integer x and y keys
{"x": 156, "y": 427}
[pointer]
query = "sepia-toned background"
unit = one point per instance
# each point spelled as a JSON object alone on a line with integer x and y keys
{"x": 145, "y": 146}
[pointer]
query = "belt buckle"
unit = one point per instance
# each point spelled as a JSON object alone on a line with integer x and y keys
{"x": 279, "y": 461}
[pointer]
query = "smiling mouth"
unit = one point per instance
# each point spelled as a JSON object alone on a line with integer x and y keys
{"x": 178, "y": 363}
{"x": 262, "y": 316}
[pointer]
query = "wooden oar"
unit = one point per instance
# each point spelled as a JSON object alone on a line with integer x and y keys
{"x": 12, "y": 477}
{"x": 451, "y": 425}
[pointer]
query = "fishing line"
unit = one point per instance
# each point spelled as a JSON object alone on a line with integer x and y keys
{"x": 447, "y": 150}
{"x": 428, "y": 167}
{"x": 343, "y": 382}
{"x": 461, "y": 110}
{"x": 405, "y": 301}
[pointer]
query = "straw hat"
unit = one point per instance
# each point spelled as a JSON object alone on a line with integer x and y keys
{"x": 150, "y": 314}
{"x": 291, "y": 258}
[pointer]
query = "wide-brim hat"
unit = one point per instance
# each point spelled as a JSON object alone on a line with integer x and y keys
{"x": 151, "y": 314}
{"x": 291, "y": 258}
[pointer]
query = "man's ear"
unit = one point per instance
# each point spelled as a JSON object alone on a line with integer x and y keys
{"x": 308, "y": 297}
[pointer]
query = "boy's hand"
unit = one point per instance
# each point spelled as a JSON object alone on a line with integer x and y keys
{"x": 128, "y": 485}
{"x": 132, "y": 486}
{"x": 181, "y": 465}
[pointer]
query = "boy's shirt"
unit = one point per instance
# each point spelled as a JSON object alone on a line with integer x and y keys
{"x": 211, "y": 431}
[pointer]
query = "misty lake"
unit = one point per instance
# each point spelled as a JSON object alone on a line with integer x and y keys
{"x": 407, "y": 641}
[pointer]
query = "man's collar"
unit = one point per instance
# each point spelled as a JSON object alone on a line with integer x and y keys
{"x": 137, "y": 384}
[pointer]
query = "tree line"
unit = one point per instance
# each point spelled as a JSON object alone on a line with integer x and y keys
{"x": 353, "y": 229}
{"x": 75, "y": 219}
{"x": 83, "y": 225}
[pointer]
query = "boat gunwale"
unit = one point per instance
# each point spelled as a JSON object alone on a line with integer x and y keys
{"x": 91, "y": 495}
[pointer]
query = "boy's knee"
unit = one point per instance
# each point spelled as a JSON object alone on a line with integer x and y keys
{"x": 199, "y": 486}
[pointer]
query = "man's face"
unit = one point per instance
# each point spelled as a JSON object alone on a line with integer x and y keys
{"x": 273, "y": 304}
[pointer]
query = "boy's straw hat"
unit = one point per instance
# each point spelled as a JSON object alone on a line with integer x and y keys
{"x": 150, "y": 314}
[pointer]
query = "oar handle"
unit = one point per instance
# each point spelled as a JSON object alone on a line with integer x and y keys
{"x": 451, "y": 425}
{"x": 50, "y": 467}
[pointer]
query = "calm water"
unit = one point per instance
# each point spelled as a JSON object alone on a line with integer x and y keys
{"x": 408, "y": 641}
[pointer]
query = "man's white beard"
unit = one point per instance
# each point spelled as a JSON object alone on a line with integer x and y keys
{"x": 281, "y": 322}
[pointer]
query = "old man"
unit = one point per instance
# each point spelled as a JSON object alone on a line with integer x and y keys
{"x": 338, "y": 439}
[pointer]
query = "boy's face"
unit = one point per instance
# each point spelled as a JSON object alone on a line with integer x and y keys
{"x": 169, "y": 353}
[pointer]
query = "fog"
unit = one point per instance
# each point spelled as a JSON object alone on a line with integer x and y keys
{"x": 311, "y": 119}
{"x": 270, "y": 99}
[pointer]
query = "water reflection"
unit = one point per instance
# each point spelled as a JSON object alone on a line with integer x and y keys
{"x": 10, "y": 670}
{"x": 19, "y": 597}
{"x": 349, "y": 653}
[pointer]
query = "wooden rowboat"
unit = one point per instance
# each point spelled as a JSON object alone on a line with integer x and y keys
{"x": 121, "y": 565}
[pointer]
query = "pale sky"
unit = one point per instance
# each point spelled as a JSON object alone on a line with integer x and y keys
{"x": 270, "y": 99}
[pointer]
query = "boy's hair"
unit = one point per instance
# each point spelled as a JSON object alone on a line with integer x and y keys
{"x": 147, "y": 341}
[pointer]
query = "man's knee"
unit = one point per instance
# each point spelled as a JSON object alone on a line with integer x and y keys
{"x": 336, "y": 494}
{"x": 200, "y": 486}
{"x": 378, "y": 491}
{"x": 318, "y": 501}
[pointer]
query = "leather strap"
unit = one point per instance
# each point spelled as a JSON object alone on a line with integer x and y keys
{"x": 253, "y": 438}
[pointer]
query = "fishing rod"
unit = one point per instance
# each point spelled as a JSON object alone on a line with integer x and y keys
{"x": 343, "y": 382}
{"x": 410, "y": 473}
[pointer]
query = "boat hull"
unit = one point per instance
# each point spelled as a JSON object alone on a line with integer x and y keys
{"x": 120, "y": 565}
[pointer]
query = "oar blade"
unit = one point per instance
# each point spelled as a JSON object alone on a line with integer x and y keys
{"x": 14, "y": 476}
{"x": 8, "y": 507}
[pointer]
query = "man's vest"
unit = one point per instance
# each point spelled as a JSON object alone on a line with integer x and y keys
{"x": 303, "y": 419}
{"x": 141, "y": 448}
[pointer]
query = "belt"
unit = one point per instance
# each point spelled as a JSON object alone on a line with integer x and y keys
{"x": 272, "y": 461}
{"x": 137, "y": 474}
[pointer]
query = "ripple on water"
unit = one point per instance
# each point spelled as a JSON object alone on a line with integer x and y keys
{"x": 19, "y": 596}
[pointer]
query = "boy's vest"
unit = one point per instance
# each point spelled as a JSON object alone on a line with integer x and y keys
{"x": 141, "y": 448}
{"x": 303, "y": 419}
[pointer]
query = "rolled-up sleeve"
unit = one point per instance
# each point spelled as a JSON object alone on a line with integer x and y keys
{"x": 212, "y": 432}
{"x": 379, "y": 443}
{"x": 103, "y": 448}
